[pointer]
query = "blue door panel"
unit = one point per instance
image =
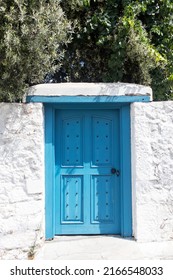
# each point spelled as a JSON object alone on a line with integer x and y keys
{"x": 102, "y": 141}
{"x": 87, "y": 199}
{"x": 72, "y": 142}
{"x": 72, "y": 199}
{"x": 103, "y": 198}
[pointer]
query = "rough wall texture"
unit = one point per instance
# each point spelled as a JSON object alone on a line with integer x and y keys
{"x": 152, "y": 166}
{"x": 21, "y": 179}
{"x": 22, "y": 175}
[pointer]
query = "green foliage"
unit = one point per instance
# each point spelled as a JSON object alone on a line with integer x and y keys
{"x": 32, "y": 33}
{"x": 133, "y": 55}
{"x": 124, "y": 40}
{"x": 86, "y": 57}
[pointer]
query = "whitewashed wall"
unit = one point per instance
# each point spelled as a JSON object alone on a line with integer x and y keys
{"x": 22, "y": 175}
{"x": 21, "y": 179}
{"x": 152, "y": 167}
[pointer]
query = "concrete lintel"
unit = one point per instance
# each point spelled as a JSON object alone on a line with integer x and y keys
{"x": 90, "y": 89}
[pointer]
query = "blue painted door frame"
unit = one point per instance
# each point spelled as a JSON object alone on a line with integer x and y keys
{"x": 125, "y": 161}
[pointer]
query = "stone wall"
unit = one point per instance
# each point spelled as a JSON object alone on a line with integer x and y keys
{"x": 152, "y": 168}
{"x": 21, "y": 179}
{"x": 22, "y": 175}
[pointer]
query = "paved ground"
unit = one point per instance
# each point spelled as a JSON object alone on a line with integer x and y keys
{"x": 103, "y": 248}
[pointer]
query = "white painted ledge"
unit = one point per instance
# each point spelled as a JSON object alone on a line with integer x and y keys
{"x": 90, "y": 89}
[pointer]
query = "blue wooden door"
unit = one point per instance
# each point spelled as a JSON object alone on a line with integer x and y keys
{"x": 87, "y": 188}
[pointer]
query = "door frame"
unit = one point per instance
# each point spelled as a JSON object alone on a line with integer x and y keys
{"x": 125, "y": 159}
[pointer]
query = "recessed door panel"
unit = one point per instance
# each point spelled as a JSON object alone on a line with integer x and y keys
{"x": 102, "y": 131}
{"x": 72, "y": 141}
{"x": 72, "y": 199}
{"x": 102, "y": 199}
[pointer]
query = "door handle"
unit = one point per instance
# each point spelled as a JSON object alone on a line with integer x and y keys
{"x": 115, "y": 171}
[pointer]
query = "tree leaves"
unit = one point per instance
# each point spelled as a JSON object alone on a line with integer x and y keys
{"x": 31, "y": 37}
{"x": 124, "y": 40}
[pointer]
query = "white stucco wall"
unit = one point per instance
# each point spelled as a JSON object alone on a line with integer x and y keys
{"x": 21, "y": 178}
{"x": 152, "y": 168}
{"x": 22, "y": 175}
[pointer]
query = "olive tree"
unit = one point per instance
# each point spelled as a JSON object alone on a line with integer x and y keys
{"x": 32, "y": 33}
